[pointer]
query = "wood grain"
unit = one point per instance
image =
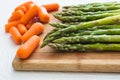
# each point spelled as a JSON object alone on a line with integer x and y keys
{"x": 47, "y": 59}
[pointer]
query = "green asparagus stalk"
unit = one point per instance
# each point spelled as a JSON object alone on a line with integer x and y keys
{"x": 90, "y": 39}
{"x": 105, "y": 21}
{"x": 92, "y": 4}
{"x": 85, "y": 47}
{"x": 84, "y": 17}
{"x": 94, "y": 9}
{"x": 61, "y": 25}
{"x": 79, "y": 13}
{"x": 96, "y": 32}
{"x": 58, "y": 25}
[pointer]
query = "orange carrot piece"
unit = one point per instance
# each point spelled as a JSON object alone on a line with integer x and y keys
{"x": 24, "y": 4}
{"x": 32, "y": 12}
{"x": 43, "y": 15}
{"x": 23, "y": 8}
{"x": 26, "y": 49}
{"x": 16, "y": 15}
{"x": 29, "y": 24}
{"x": 51, "y": 7}
{"x": 21, "y": 28}
{"x": 15, "y": 35}
{"x": 35, "y": 29}
{"x": 10, "y": 25}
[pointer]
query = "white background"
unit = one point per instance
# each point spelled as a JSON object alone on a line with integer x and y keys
{"x": 8, "y": 50}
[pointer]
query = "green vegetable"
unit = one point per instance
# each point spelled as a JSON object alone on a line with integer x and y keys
{"x": 85, "y": 47}
{"x": 84, "y": 17}
{"x": 90, "y": 39}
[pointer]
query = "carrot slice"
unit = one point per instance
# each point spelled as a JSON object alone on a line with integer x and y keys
{"x": 21, "y": 28}
{"x": 26, "y": 49}
{"x": 43, "y": 15}
{"x": 32, "y": 12}
{"x": 35, "y": 29}
{"x": 51, "y": 7}
{"x": 11, "y": 24}
{"x": 16, "y": 15}
{"x": 15, "y": 35}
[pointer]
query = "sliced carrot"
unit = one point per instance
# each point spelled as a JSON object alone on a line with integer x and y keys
{"x": 51, "y": 7}
{"x": 24, "y": 4}
{"x": 35, "y": 29}
{"x": 32, "y": 12}
{"x": 16, "y": 15}
{"x": 11, "y": 24}
{"x": 26, "y": 49}
{"x": 21, "y": 28}
{"x": 43, "y": 15}
{"x": 15, "y": 35}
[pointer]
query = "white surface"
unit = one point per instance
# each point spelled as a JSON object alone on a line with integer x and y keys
{"x": 8, "y": 50}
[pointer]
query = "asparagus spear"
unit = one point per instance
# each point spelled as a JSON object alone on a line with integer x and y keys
{"x": 97, "y": 32}
{"x": 92, "y": 4}
{"x": 79, "y": 13}
{"x": 62, "y": 25}
{"x": 85, "y": 25}
{"x": 90, "y": 39}
{"x": 94, "y": 9}
{"x": 59, "y": 25}
{"x": 86, "y": 47}
{"x": 84, "y": 17}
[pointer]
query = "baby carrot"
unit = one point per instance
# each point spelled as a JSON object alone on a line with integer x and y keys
{"x": 43, "y": 15}
{"x": 16, "y": 15}
{"x": 26, "y": 49}
{"x": 35, "y": 29}
{"x": 11, "y": 24}
{"x": 29, "y": 24}
{"x": 21, "y": 28}
{"x": 15, "y": 35}
{"x": 32, "y": 12}
{"x": 23, "y": 8}
{"x": 24, "y": 4}
{"x": 51, "y": 7}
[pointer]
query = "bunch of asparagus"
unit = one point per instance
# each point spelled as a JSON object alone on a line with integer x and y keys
{"x": 88, "y": 27}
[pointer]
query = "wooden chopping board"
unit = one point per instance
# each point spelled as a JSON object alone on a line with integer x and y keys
{"x": 47, "y": 59}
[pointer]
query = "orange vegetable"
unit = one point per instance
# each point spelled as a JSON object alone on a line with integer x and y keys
{"x": 51, "y": 7}
{"x": 23, "y": 8}
{"x": 43, "y": 15}
{"x": 24, "y": 4}
{"x": 16, "y": 15}
{"x": 29, "y": 24}
{"x": 26, "y": 49}
{"x": 35, "y": 29}
{"x": 15, "y": 35}
{"x": 11, "y": 24}
{"x": 21, "y": 28}
{"x": 32, "y": 12}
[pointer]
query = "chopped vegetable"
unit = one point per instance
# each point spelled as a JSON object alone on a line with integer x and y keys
{"x": 26, "y": 49}
{"x": 15, "y": 35}
{"x": 21, "y": 28}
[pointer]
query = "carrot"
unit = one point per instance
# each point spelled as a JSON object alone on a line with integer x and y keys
{"x": 23, "y": 8}
{"x": 51, "y": 7}
{"x": 35, "y": 29}
{"x": 16, "y": 15}
{"x": 11, "y": 24}
{"x": 26, "y": 49}
{"x": 43, "y": 15}
{"x": 21, "y": 28}
{"x": 24, "y": 4}
{"x": 15, "y": 35}
{"x": 29, "y": 24}
{"x": 32, "y": 12}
